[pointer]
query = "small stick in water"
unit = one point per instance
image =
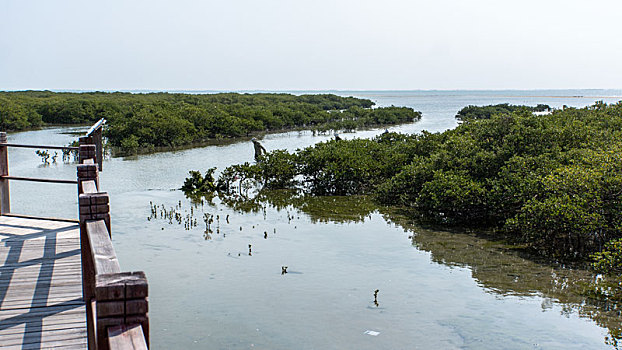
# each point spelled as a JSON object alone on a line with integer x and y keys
{"x": 227, "y": 218}
{"x": 265, "y": 234}
{"x": 250, "y": 253}
{"x": 376, "y": 297}
{"x": 283, "y": 270}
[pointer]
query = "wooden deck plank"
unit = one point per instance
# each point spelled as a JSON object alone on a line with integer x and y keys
{"x": 81, "y": 344}
{"x": 58, "y": 264}
{"x": 69, "y": 270}
{"x": 31, "y": 303}
{"x": 63, "y": 295}
{"x": 69, "y": 317}
{"x": 66, "y": 347}
{"x": 41, "y": 285}
{"x": 53, "y": 311}
{"x": 40, "y": 337}
{"x": 26, "y": 281}
{"x": 74, "y": 344}
{"x": 44, "y": 326}
{"x": 66, "y": 272}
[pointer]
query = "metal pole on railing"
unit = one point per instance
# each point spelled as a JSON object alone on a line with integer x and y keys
{"x": 95, "y": 137}
{"x": 5, "y": 198}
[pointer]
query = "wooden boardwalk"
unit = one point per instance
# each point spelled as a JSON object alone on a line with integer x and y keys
{"x": 41, "y": 304}
{"x": 49, "y": 268}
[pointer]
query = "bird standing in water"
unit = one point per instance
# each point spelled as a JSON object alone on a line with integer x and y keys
{"x": 259, "y": 149}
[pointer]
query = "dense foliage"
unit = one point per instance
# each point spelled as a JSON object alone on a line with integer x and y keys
{"x": 486, "y": 112}
{"x": 609, "y": 260}
{"x": 553, "y": 181}
{"x": 147, "y": 121}
{"x": 197, "y": 184}
{"x": 15, "y": 115}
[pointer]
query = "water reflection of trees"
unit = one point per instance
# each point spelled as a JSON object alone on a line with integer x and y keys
{"x": 498, "y": 268}
{"x": 319, "y": 209}
{"x": 501, "y": 269}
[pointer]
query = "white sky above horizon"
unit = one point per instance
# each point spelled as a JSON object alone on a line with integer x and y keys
{"x": 310, "y": 45}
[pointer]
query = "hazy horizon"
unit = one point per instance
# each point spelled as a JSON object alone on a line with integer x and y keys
{"x": 278, "y": 45}
{"x": 617, "y": 92}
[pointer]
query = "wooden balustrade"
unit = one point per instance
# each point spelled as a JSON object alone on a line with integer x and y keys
{"x": 118, "y": 313}
{"x": 117, "y": 302}
{"x": 93, "y": 154}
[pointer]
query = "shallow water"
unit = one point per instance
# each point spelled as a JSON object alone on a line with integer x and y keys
{"x": 436, "y": 290}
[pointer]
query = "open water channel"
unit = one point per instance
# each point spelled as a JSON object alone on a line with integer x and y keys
{"x": 436, "y": 289}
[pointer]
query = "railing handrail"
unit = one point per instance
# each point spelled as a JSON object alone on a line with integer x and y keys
{"x": 37, "y": 179}
{"x": 116, "y": 302}
{"x": 19, "y": 145}
{"x": 98, "y": 125}
{"x": 117, "y": 308}
{"x": 94, "y": 136}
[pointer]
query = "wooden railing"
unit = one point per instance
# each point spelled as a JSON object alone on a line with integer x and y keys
{"x": 5, "y": 193}
{"x": 117, "y": 307}
{"x": 116, "y": 302}
{"x": 93, "y": 136}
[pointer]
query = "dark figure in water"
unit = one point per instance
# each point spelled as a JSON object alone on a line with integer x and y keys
{"x": 337, "y": 138}
{"x": 259, "y": 149}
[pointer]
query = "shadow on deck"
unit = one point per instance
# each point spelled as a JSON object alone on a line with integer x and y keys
{"x": 41, "y": 302}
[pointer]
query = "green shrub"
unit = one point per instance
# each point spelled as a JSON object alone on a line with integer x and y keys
{"x": 609, "y": 260}
{"x": 197, "y": 184}
{"x": 452, "y": 198}
{"x": 169, "y": 120}
{"x": 551, "y": 182}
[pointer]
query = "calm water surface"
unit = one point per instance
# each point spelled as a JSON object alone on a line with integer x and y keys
{"x": 436, "y": 289}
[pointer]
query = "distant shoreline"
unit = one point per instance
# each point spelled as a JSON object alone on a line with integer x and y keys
{"x": 573, "y": 93}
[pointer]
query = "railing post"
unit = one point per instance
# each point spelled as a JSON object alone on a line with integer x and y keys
{"x": 91, "y": 207}
{"x": 86, "y": 151}
{"x": 5, "y": 198}
{"x": 122, "y": 299}
{"x": 95, "y": 138}
{"x": 88, "y": 284}
{"x": 95, "y": 206}
{"x": 99, "y": 144}
{"x": 87, "y": 172}
{"x": 85, "y": 140}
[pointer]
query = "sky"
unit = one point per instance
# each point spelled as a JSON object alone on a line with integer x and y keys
{"x": 236, "y": 45}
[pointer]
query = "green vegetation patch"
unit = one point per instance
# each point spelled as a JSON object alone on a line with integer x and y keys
{"x": 486, "y": 112}
{"x": 551, "y": 182}
{"x": 144, "y": 122}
